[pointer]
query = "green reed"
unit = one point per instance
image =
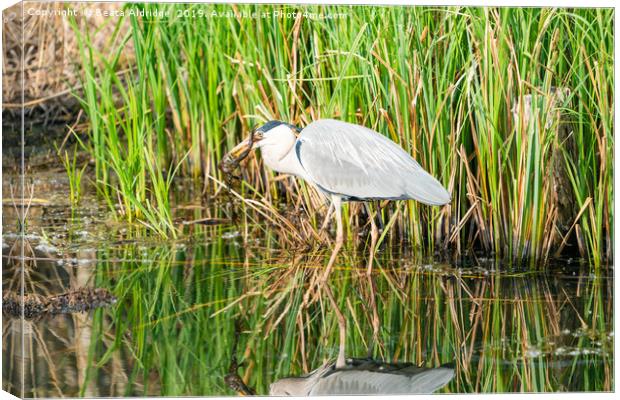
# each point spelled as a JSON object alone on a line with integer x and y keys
{"x": 129, "y": 172}
{"x": 74, "y": 175}
{"x": 472, "y": 93}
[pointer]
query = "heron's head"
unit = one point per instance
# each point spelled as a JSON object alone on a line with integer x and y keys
{"x": 273, "y": 133}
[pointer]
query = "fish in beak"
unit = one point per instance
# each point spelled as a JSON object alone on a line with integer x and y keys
{"x": 232, "y": 159}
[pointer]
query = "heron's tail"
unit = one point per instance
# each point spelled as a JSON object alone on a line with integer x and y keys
{"x": 424, "y": 188}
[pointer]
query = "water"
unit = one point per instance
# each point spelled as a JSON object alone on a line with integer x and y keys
{"x": 172, "y": 328}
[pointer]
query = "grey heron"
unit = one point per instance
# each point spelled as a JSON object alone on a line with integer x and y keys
{"x": 364, "y": 377}
{"x": 346, "y": 162}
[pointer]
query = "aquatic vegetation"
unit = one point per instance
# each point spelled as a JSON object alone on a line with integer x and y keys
{"x": 74, "y": 174}
{"x": 510, "y": 108}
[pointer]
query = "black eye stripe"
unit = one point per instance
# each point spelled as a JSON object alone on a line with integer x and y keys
{"x": 273, "y": 124}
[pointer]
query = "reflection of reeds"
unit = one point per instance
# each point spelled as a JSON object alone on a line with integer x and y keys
{"x": 508, "y": 332}
{"x": 472, "y": 93}
{"x": 43, "y": 344}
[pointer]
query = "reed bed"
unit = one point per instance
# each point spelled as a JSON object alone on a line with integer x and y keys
{"x": 511, "y": 109}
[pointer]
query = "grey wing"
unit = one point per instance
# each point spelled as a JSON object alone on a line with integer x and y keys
{"x": 362, "y": 164}
{"x": 368, "y": 382}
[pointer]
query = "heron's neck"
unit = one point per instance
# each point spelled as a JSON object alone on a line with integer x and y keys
{"x": 285, "y": 161}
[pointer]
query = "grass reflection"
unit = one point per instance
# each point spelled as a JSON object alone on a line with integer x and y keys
{"x": 174, "y": 323}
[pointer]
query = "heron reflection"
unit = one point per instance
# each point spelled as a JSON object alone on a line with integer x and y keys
{"x": 364, "y": 376}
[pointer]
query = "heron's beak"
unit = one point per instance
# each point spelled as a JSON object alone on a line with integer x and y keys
{"x": 240, "y": 151}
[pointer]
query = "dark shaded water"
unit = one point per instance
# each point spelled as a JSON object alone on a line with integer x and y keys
{"x": 172, "y": 328}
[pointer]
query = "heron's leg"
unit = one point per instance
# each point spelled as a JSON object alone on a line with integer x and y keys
{"x": 375, "y": 315}
{"x": 337, "y": 202}
{"x": 342, "y": 326}
{"x": 374, "y": 236}
{"x": 322, "y": 234}
{"x": 328, "y": 216}
{"x": 336, "y": 205}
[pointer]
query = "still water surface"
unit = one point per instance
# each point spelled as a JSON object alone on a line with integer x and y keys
{"x": 172, "y": 330}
